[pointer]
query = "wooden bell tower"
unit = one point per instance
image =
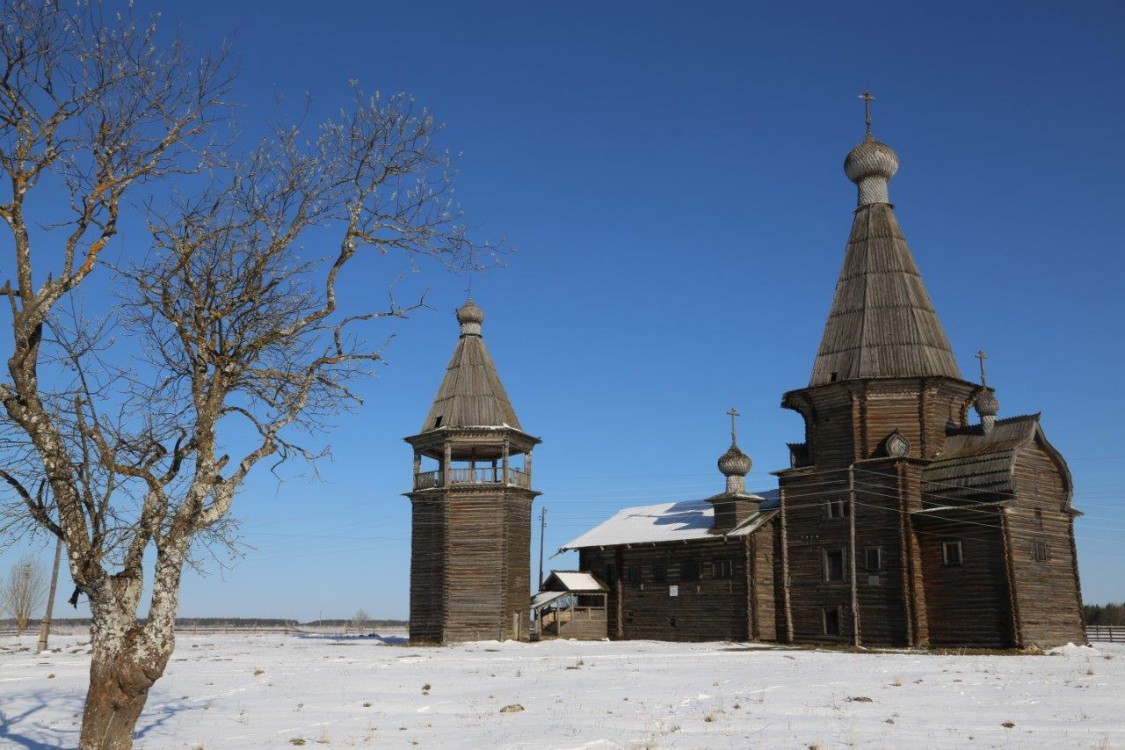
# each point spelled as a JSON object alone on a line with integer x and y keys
{"x": 471, "y": 534}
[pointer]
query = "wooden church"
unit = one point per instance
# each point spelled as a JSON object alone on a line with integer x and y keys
{"x": 901, "y": 521}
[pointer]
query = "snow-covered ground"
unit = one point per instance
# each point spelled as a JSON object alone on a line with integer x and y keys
{"x": 276, "y": 690}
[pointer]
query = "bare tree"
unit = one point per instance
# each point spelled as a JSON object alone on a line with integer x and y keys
{"x": 249, "y": 349}
{"x": 23, "y": 591}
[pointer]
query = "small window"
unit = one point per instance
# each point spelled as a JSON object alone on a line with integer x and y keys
{"x": 723, "y": 568}
{"x": 831, "y": 620}
{"x": 836, "y": 508}
{"x": 1039, "y": 518}
{"x": 834, "y": 565}
{"x": 610, "y": 574}
{"x": 437, "y": 423}
{"x": 660, "y": 572}
{"x": 689, "y": 570}
{"x": 633, "y": 573}
{"x": 951, "y": 552}
{"x": 1040, "y": 552}
{"x": 873, "y": 558}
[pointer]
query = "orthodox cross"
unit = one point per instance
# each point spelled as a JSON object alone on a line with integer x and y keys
{"x": 472, "y": 267}
{"x": 734, "y": 415}
{"x": 982, "y": 357}
{"x": 867, "y": 98}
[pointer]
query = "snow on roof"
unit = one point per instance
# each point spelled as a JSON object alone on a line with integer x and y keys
{"x": 668, "y": 522}
{"x": 576, "y": 581}
{"x": 546, "y": 597}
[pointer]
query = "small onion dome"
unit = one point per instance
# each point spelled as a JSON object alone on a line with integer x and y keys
{"x": 734, "y": 462}
{"x": 986, "y": 403}
{"x": 470, "y": 317}
{"x": 870, "y": 165}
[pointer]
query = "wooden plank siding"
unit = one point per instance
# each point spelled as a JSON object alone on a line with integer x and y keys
{"x": 469, "y": 564}
{"x": 427, "y": 569}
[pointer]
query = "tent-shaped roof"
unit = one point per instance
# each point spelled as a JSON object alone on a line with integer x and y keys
{"x": 471, "y": 394}
{"x": 882, "y": 323}
{"x": 669, "y": 522}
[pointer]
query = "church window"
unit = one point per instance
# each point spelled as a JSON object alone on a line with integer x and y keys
{"x": 723, "y": 568}
{"x": 633, "y": 573}
{"x": 660, "y": 572}
{"x": 610, "y": 574}
{"x": 951, "y": 552}
{"x": 873, "y": 557}
{"x": 831, "y": 620}
{"x": 834, "y": 565}
{"x": 836, "y": 508}
{"x": 437, "y": 423}
{"x": 689, "y": 570}
{"x": 1040, "y": 552}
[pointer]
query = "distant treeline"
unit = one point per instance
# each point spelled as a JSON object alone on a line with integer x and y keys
{"x": 1104, "y": 614}
{"x": 239, "y": 622}
{"x": 354, "y": 623}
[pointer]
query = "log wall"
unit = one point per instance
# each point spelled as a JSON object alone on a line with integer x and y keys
{"x": 711, "y": 607}
{"x": 470, "y": 558}
{"x": 967, "y": 604}
{"x": 1043, "y": 560}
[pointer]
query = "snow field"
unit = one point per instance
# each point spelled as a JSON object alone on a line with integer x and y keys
{"x": 277, "y": 691}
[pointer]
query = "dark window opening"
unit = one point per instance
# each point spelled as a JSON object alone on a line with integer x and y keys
{"x": 834, "y": 565}
{"x": 610, "y": 574}
{"x": 689, "y": 570}
{"x": 1040, "y": 552}
{"x": 837, "y": 508}
{"x": 437, "y": 423}
{"x": 671, "y": 622}
{"x": 633, "y": 573}
{"x": 723, "y": 569}
{"x": 951, "y": 552}
{"x": 833, "y": 377}
{"x": 1039, "y": 518}
{"x": 832, "y": 621}
{"x": 873, "y": 558}
{"x": 660, "y": 572}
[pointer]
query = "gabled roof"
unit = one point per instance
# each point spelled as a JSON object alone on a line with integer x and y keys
{"x": 564, "y": 582}
{"x": 669, "y": 522}
{"x": 471, "y": 394}
{"x": 572, "y": 580}
{"x": 882, "y": 323}
{"x": 974, "y": 467}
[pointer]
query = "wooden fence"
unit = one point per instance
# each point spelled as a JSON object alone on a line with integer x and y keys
{"x": 1106, "y": 633}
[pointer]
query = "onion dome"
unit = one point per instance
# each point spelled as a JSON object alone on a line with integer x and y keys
{"x": 470, "y": 317}
{"x": 734, "y": 462}
{"x": 986, "y": 403}
{"x": 871, "y": 165}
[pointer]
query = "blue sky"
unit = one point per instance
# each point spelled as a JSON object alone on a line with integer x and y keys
{"x": 670, "y": 178}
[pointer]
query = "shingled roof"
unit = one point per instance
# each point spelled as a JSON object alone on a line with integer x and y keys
{"x": 471, "y": 394}
{"x": 882, "y": 323}
{"x": 980, "y": 467}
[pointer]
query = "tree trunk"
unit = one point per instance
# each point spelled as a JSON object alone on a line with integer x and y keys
{"x": 128, "y": 659}
{"x": 118, "y": 691}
